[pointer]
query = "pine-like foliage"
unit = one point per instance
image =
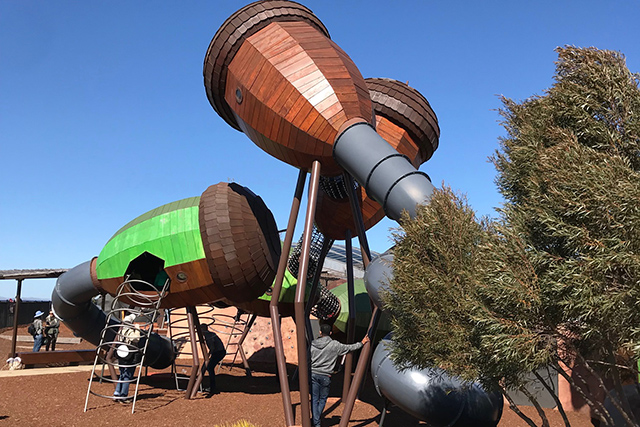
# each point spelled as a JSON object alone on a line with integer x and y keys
{"x": 491, "y": 300}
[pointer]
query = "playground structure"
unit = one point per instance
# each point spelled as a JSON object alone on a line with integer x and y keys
{"x": 273, "y": 73}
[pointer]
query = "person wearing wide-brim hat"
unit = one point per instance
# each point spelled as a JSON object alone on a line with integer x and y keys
{"x": 129, "y": 356}
{"x": 37, "y": 324}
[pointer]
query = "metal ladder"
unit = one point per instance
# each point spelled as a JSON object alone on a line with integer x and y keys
{"x": 180, "y": 333}
{"x": 236, "y": 333}
{"x": 185, "y": 328}
{"x": 132, "y": 297}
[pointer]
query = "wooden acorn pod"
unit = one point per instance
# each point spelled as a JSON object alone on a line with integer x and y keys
{"x": 272, "y": 72}
{"x": 223, "y": 245}
{"x": 405, "y": 119}
{"x": 240, "y": 239}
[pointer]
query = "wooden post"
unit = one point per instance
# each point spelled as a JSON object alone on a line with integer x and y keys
{"x": 16, "y": 309}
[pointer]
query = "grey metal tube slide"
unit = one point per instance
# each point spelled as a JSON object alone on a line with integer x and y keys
{"x": 377, "y": 276}
{"x": 388, "y": 176}
{"x": 432, "y": 395}
{"x": 71, "y": 300}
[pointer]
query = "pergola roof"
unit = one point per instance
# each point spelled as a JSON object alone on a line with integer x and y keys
{"x": 36, "y": 273}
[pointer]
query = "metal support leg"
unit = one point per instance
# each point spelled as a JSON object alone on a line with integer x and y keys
{"x": 365, "y": 356}
{"x": 203, "y": 348}
{"x": 383, "y": 414}
{"x": 326, "y": 245}
{"x": 303, "y": 364}
{"x": 195, "y": 366}
{"x": 357, "y": 219}
{"x": 245, "y": 362}
{"x": 351, "y": 324}
{"x": 16, "y": 310}
{"x": 275, "y": 296}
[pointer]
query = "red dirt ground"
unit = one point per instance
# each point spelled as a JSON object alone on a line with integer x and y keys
{"x": 57, "y": 399}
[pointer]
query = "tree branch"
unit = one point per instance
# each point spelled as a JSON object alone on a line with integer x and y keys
{"x": 514, "y": 408}
{"x": 554, "y": 395}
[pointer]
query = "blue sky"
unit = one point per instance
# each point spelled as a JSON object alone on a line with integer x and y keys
{"x": 103, "y": 113}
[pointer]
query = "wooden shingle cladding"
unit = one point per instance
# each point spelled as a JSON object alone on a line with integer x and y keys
{"x": 291, "y": 89}
{"x": 232, "y": 34}
{"x": 197, "y": 288}
{"x": 406, "y": 121}
{"x": 241, "y": 250}
{"x": 240, "y": 240}
{"x": 334, "y": 217}
{"x": 408, "y": 109}
{"x": 272, "y": 72}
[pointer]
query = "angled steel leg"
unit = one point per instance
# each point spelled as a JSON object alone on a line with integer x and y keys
{"x": 351, "y": 324}
{"x": 245, "y": 362}
{"x": 357, "y": 219}
{"x": 275, "y": 296}
{"x": 303, "y": 363}
{"x": 365, "y": 353}
{"x": 326, "y": 245}
{"x": 203, "y": 348}
{"x": 365, "y": 356}
{"x": 195, "y": 336}
{"x": 383, "y": 414}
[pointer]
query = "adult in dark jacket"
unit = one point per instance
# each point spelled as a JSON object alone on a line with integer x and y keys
{"x": 216, "y": 354}
{"x": 51, "y": 330}
{"x": 324, "y": 354}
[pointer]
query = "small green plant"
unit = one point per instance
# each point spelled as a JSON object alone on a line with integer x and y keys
{"x": 241, "y": 423}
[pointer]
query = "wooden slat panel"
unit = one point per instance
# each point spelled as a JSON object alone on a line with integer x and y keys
{"x": 229, "y": 227}
{"x": 281, "y": 57}
{"x": 253, "y": 19}
{"x": 333, "y": 217}
{"x": 407, "y": 108}
{"x": 72, "y": 357}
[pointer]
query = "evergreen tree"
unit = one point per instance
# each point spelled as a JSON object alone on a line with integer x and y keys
{"x": 556, "y": 278}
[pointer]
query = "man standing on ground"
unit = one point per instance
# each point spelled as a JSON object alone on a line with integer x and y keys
{"x": 216, "y": 354}
{"x": 51, "y": 330}
{"x": 39, "y": 330}
{"x": 324, "y": 354}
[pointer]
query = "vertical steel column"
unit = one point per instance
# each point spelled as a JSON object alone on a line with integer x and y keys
{"x": 303, "y": 364}
{"x": 326, "y": 245}
{"x": 363, "y": 361}
{"x": 275, "y": 296}
{"x": 247, "y": 326}
{"x": 16, "y": 309}
{"x": 365, "y": 353}
{"x": 195, "y": 366}
{"x": 205, "y": 352}
{"x": 351, "y": 324}
{"x": 357, "y": 219}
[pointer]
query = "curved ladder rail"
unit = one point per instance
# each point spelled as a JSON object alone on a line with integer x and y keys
{"x": 144, "y": 304}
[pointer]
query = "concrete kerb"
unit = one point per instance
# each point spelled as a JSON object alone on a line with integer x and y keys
{"x": 45, "y": 371}
{"x": 29, "y": 338}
